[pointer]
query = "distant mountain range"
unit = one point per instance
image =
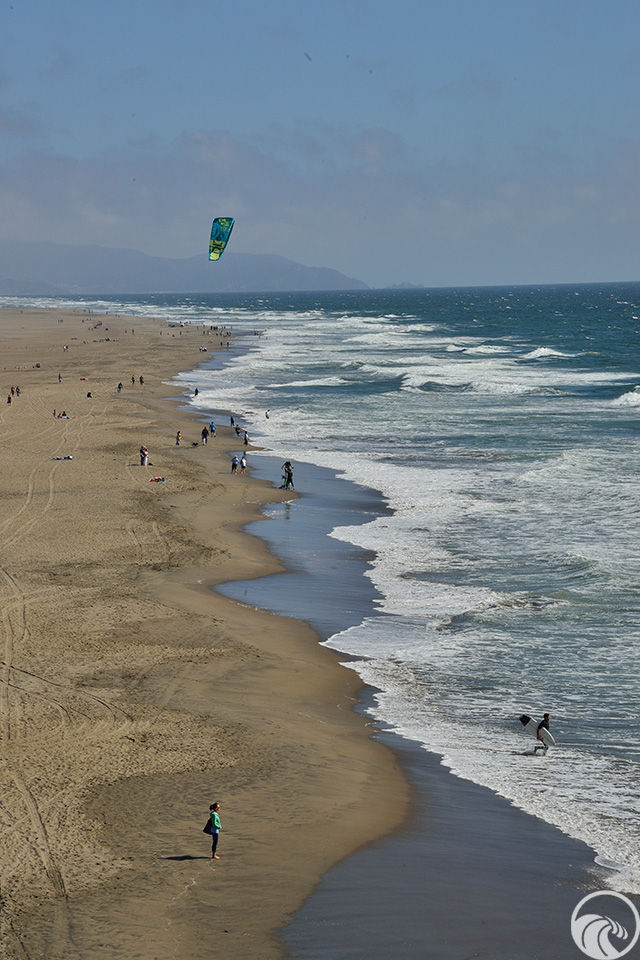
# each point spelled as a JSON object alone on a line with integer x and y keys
{"x": 56, "y": 269}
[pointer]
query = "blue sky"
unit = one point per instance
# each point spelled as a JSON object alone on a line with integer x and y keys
{"x": 443, "y": 142}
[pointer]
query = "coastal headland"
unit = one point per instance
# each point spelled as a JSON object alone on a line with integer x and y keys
{"x": 132, "y": 695}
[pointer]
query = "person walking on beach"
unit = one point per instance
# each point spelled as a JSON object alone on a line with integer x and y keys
{"x": 144, "y": 456}
{"x": 215, "y": 829}
{"x": 234, "y": 464}
{"x": 212, "y": 429}
{"x": 243, "y": 463}
{"x": 178, "y": 438}
{"x": 204, "y": 435}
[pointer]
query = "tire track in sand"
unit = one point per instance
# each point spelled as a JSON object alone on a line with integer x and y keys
{"x": 11, "y": 637}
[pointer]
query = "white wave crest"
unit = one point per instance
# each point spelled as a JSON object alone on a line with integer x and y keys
{"x": 541, "y": 352}
{"x": 489, "y": 349}
{"x": 631, "y": 399}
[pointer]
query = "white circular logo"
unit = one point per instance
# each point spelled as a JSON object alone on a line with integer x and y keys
{"x": 608, "y": 933}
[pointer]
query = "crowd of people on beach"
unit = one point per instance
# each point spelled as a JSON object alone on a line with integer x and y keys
{"x": 238, "y": 463}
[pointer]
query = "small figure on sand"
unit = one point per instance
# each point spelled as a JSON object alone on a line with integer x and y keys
{"x": 215, "y": 829}
{"x": 243, "y": 463}
{"x": 234, "y": 464}
{"x": 204, "y": 435}
{"x": 178, "y": 438}
{"x": 144, "y": 456}
{"x": 246, "y": 438}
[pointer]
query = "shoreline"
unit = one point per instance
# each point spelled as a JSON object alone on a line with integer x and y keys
{"x": 467, "y": 875}
{"x": 151, "y": 691}
{"x": 485, "y": 857}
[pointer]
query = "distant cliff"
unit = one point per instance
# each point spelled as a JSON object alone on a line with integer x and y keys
{"x": 41, "y": 269}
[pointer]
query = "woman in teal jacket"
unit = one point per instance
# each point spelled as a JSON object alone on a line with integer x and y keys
{"x": 215, "y": 829}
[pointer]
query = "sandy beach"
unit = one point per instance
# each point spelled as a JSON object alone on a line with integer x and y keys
{"x": 132, "y": 694}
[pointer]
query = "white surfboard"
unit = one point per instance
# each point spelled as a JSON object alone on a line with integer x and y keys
{"x": 532, "y": 727}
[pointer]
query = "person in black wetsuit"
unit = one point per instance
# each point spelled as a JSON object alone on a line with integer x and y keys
{"x": 543, "y": 725}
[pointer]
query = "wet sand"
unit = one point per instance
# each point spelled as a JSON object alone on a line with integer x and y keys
{"x": 467, "y": 875}
{"x": 132, "y": 695}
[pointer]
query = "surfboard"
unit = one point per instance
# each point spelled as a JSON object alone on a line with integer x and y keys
{"x": 532, "y": 727}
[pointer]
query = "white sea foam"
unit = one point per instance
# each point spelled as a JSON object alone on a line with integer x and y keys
{"x": 589, "y": 797}
{"x": 631, "y": 399}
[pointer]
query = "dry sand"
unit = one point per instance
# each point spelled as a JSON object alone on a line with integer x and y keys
{"x": 131, "y": 694}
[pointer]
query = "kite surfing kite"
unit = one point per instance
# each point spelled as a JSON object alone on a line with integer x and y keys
{"x": 220, "y": 233}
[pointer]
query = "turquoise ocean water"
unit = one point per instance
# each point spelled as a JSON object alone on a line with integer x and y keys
{"x": 502, "y": 425}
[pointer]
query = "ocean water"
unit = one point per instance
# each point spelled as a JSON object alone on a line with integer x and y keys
{"x": 502, "y": 425}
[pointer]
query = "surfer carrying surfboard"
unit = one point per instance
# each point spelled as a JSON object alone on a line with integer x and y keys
{"x": 540, "y": 731}
{"x": 543, "y": 725}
